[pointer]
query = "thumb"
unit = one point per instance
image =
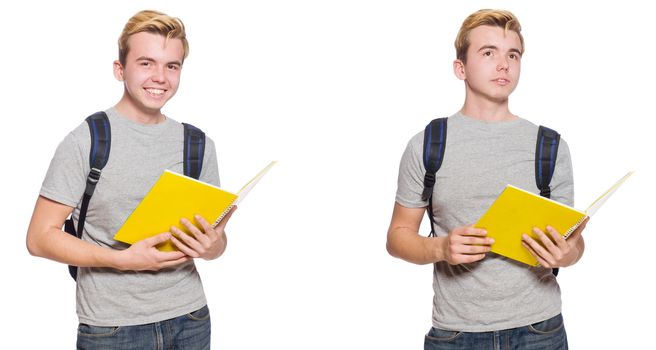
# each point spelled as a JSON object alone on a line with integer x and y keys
{"x": 581, "y": 227}
{"x": 225, "y": 219}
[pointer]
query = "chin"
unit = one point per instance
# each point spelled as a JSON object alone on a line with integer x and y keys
{"x": 501, "y": 96}
{"x": 154, "y": 105}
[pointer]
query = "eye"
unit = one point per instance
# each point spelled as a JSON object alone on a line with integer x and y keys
{"x": 173, "y": 67}
{"x": 487, "y": 53}
{"x": 514, "y": 56}
{"x": 144, "y": 63}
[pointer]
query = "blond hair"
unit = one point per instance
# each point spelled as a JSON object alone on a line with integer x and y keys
{"x": 486, "y": 17}
{"x": 152, "y": 22}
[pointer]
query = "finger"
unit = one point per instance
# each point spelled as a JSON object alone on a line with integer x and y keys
{"x": 170, "y": 256}
{"x": 207, "y": 228}
{"x": 171, "y": 263}
{"x": 574, "y": 237}
{"x": 476, "y": 240}
{"x": 467, "y": 231}
{"x": 184, "y": 248}
{"x": 577, "y": 234}
{"x": 189, "y": 241}
{"x": 557, "y": 237}
{"x": 537, "y": 256}
{"x": 475, "y": 249}
{"x": 455, "y": 259}
{"x": 532, "y": 243}
{"x": 469, "y": 249}
{"x": 474, "y": 231}
{"x": 469, "y": 258}
{"x": 201, "y": 237}
{"x": 222, "y": 224}
{"x": 157, "y": 239}
{"x": 538, "y": 250}
{"x": 546, "y": 241}
{"x": 559, "y": 247}
{"x": 191, "y": 227}
{"x": 581, "y": 227}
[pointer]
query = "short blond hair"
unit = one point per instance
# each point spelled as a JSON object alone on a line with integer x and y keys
{"x": 152, "y": 22}
{"x": 486, "y": 17}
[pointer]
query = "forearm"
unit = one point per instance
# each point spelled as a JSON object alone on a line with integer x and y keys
{"x": 405, "y": 244}
{"x": 57, "y": 245}
{"x": 46, "y": 239}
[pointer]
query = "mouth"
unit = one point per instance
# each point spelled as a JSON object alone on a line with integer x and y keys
{"x": 155, "y": 92}
{"x": 501, "y": 81}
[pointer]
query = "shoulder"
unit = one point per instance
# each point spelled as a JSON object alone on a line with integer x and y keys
{"x": 414, "y": 146}
{"x": 417, "y": 140}
{"x": 563, "y": 147}
{"x": 79, "y": 137}
{"x": 209, "y": 142}
{"x": 562, "y": 143}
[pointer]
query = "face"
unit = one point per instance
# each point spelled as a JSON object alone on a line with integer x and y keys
{"x": 493, "y": 64}
{"x": 151, "y": 74}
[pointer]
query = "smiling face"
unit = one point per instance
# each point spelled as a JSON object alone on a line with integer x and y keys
{"x": 493, "y": 64}
{"x": 150, "y": 75}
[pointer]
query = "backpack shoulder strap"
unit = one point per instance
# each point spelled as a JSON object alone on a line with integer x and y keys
{"x": 433, "y": 154}
{"x": 194, "y": 150}
{"x": 546, "y": 151}
{"x": 434, "y": 145}
{"x": 101, "y": 139}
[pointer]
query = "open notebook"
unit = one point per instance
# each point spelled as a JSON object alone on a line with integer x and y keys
{"x": 517, "y": 211}
{"x": 175, "y": 196}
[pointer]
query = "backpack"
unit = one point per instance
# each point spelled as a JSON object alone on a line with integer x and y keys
{"x": 101, "y": 139}
{"x": 546, "y": 151}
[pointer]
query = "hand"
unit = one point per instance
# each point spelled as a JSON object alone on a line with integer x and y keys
{"x": 466, "y": 244}
{"x": 555, "y": 250}
{"x": 144, "y": 255}
{"x": 208, "y": 244}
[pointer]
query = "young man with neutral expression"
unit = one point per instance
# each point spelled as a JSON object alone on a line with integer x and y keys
{"x": 483, "y": 300}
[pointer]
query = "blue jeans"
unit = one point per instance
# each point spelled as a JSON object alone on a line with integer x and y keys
{"x": 546, "y": 335}
{"x": 190, "y": 331}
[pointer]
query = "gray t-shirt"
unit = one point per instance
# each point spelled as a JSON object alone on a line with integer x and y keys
{"x": 139, "y": 153}
{"x": 481, "y": 159}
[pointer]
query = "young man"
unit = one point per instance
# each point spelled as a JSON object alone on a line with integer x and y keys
{"x": 131, "y": 297}
{"x": 484, "y": 301}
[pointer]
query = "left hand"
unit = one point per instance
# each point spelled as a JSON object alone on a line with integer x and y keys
{"x": 554, "y": 250}
{"x": 208, "y": 244}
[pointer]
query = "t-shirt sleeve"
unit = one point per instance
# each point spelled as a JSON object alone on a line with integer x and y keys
{"x": 65, "y": 179}
{"x": 210, "y": 171}
{"x": 562, "y": 182}
{"x": 410, "y": 184}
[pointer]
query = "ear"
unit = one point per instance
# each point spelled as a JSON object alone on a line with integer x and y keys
{"x": 459, "y": 69}
{"x": 118, "y": 70}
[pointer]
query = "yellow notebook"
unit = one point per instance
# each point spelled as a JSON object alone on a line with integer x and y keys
{"x": 517, "y": 211}
{"x": 175, "y": 196}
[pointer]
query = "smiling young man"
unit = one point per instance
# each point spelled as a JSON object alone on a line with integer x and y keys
{"x": 131, "y": 297}
{"x": 482, "y": 300}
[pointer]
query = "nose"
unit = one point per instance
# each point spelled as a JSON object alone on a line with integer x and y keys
{"x": 503, "y": 64}
{"x": 158, "y": 74}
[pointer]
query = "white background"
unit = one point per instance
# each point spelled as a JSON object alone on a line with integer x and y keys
{"x": 334, "y": 90}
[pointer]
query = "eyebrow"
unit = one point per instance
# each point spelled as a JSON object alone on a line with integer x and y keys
{"x": 149, "y": 59}
{"x": 485, "y": 47}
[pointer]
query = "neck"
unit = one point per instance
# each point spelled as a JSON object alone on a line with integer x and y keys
{"x": 138, "y": 115}
{"x": 487, "y": 110}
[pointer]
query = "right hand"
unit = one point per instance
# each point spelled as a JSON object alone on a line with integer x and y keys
{"x": 466, "y": 244}
{"x": 144, "y": 255}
